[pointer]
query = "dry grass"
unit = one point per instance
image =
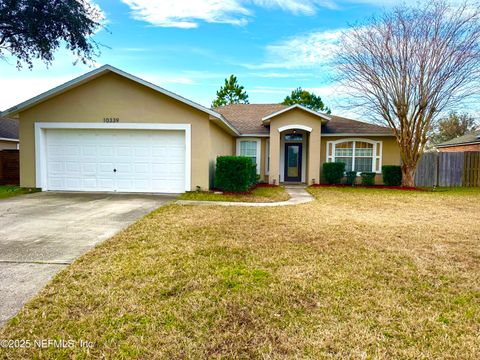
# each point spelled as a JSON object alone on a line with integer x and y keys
{"x": 355, "y": 274}
{"x": 260, "y": 194}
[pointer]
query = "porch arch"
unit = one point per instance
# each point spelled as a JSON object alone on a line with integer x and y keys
{"x": 295, "y": 127}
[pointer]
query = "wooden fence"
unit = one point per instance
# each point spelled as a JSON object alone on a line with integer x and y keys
{"x": 449, "y": 169}
{"x": 9, "y": 167}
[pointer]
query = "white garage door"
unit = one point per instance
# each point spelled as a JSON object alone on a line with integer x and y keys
{"x": 115, "y": 160}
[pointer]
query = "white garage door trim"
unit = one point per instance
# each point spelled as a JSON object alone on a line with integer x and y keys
{"x": 40, "y": 143}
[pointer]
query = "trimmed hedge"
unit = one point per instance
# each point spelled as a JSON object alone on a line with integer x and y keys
{"x": 333, "y": 172}
{"x": 351, "y": 177}
{"x": 392, "y": 175}
{"x": 368, "y": 178}
{"x": 235, "y": 173}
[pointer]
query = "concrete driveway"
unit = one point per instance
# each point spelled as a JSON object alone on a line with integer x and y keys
{"x": 42, "y": 233}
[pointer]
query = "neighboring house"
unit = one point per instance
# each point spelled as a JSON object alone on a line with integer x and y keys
{"x": 469, "y": 142}
{"x": 111, "y": 131}
{"x": 8, "y": 134}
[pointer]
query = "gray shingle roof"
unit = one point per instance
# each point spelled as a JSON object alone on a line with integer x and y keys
{"x": 471, "y": 138}
{"x": 8, "y": 128}
{"x": 247, "y": 118}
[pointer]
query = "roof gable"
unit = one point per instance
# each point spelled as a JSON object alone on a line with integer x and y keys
{"x": 99, "y": 72}
{"x": 268, "y": 117}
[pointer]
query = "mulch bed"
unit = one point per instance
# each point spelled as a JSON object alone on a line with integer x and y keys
{"x": 249, "y": 192}
{"x": 405, "y": 188}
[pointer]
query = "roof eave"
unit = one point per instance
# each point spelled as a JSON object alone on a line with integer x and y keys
{"x": 475, "y": 142}
{"x": 225, "y": 124}
{"x": 356, "y": 134}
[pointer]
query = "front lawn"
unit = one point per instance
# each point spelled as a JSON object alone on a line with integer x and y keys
{"x": 11, "y": 190}
{"x": 359, "y": 273}
{"x": 259, "y": 194}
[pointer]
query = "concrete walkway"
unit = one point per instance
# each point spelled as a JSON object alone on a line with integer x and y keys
{"x": 298, "y": 195}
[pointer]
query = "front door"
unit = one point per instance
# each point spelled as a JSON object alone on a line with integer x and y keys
{"x": 293, "y": 162}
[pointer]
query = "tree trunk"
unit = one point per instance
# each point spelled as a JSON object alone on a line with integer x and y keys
{"x": 408, "y": 175}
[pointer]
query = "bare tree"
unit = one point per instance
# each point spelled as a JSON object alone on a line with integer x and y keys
{"x": 408, "y": 66}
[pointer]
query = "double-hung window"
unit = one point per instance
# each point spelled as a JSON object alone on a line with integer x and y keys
{"x": 250, "y": 148}
{"x": 360, "y": 155}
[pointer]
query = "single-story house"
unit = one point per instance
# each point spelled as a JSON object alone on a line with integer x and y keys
{"x": 468, "y": 142}
{"x": 8, "y": 134}
{"x": 111, "y": 131}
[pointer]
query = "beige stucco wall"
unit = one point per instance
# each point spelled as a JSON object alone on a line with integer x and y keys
{"x": 313, "y": 149}
{"x": 8, "y": 145}
{"x": 316, "y": 146}
{"x": 112, "y": 95}
{"x": 221, "y": 144}
{"x": 390, "y": 150}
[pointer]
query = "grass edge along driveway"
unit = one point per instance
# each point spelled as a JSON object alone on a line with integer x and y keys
{"x": 358, "y": 273}
{"x": 260, "y": 194}
{"x": 7, "y": 191}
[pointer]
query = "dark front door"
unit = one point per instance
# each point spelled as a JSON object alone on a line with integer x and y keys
{"x": 293, "y": 162}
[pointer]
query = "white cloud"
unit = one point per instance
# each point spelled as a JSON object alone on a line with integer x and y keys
{"x": 302, "y": 51}
{"x": 188, "y": 13}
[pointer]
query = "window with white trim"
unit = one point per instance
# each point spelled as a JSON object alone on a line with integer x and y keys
{"x": 360, "y": 155}
{"x": 250, "y": 148}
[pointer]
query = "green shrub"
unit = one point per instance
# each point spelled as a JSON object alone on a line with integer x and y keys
{"x": 351, "y": 177}
{"x": 333, "y": 172}
{"x": 235, "y": 173}
{"x": 392, "y": 175}
{"x": 368, "y": 178}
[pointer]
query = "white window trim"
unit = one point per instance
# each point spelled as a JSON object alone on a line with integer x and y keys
{"x": 40, "y": 143}
{"x": 377, "y": 149}
{"x": 259, "y": 150}
{"x": 267, "y": 156}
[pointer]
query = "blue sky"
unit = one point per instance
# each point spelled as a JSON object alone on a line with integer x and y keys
{"x": 189, "y": 47}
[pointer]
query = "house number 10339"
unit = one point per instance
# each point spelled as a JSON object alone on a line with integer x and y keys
{"x": 111, "y": 120}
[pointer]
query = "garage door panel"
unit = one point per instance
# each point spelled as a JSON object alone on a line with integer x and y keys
{"x": 141, "y": 168}
{"x": 73, "y": 182}
{"x": 89, "y": 150}
{"x": 106, "y": 151}
{"x": 56, "y": 167}
{"x": 141, "y": 151}
{"x": 106, "y": 167}
{"x": 72, "y": 167}
{"x": 105, "y": 183}
{"x": 89, "y": 183}
{"x": 88, "y": 168}
{"x": 145, "y": 160}
{"x": 124, "y": 151}
{"x": 56, "y": 182}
